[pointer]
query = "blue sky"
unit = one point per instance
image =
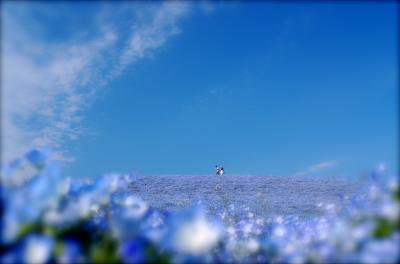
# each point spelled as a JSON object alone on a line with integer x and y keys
{"x": 175, "y": 88}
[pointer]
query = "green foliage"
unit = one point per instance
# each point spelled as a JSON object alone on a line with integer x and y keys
{"x": 105, "y": 251}
{"x": 384, "y": 228}
{"x": 80, "y": 232}
{"x": 396, "y": 194}
{"x": 36, "y": 228}
{"x": 154, "y": 256}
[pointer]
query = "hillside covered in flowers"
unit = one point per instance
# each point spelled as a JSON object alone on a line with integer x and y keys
{"x": 48, "y": 218}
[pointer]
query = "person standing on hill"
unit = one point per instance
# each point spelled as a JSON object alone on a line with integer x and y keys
{"x": 219, "y": 170}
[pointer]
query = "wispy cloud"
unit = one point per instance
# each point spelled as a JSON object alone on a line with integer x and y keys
{"x": 319, "y": 167}
{"x": 152, "y": 34}
{"x": 46, "y": 86}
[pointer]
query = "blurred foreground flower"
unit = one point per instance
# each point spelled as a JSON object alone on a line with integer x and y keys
{"x": 47, "y": 218}
{"x": 191, "y": 233}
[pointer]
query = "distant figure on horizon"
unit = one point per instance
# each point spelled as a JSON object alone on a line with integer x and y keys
{"x": 219, "y": 170}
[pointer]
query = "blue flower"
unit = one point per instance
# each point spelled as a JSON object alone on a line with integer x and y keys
{"x": 133, "y": 251}
{"x": 38, "y": 157}
{"x": 13, "y": 255}
{"x": 71, "y": 252}
{"x": 24, "y": 204}
{"x": 191, "y": 233}
{"x": 153, "y": 226}
{"x": 37, "y": 249}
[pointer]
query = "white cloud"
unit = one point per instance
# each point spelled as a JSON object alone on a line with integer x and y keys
{"x": 322, "y": 166}
{"x": 154, "y": 33}
{"x": 325, "y": 165}
{"x": 46, "y": 86}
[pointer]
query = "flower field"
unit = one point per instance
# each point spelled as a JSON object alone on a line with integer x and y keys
{"x": 48, "y": 218}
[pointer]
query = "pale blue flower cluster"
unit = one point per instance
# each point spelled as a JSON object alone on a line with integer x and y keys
{"x": 47, "y": 218}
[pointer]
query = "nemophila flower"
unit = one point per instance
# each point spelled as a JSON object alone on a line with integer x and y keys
{"x": 86, "y": 199}
{"x": 100, "y": 220}
{"x": 128, "y": 206}
{"x": 20, "y": 170}
{"x": 128, "y": 212}
{"x": 243, "y": 248}
{"x": 133, "y": 251}
{"x": 252, "y": 245}
{"x": 38, "y": 157}
{"x": 116, "y": 182}
{"x": 362, "y": 231}
{"x": 79, "y": 208}
{"x": 78, "y": 187}
{"x": 37, "y": 249}
{"x": 155, "y": 235}
{"x": 248, "y": 227}
{"x": 153, "y": 226}
{"x": 191, "y": 233}
{"x": 26, "y": 203}
{"x": 11, "y": 256}
{"x": 231, "y": 232}
{"x": 196, "y": 237}
{"x": 389, "y": 209}
{"x": 381, "y": 251}
{"x": 71, "y": 252}
{"x": 134, "y": 207}
{"x": 278, "y": 219}
{"x": 260, "y": 221}
{"x": 279, "y": 231}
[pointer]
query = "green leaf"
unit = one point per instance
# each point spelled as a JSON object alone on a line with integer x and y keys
{"x": 384, "y": 228}
{"x": 105, "y": 251}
